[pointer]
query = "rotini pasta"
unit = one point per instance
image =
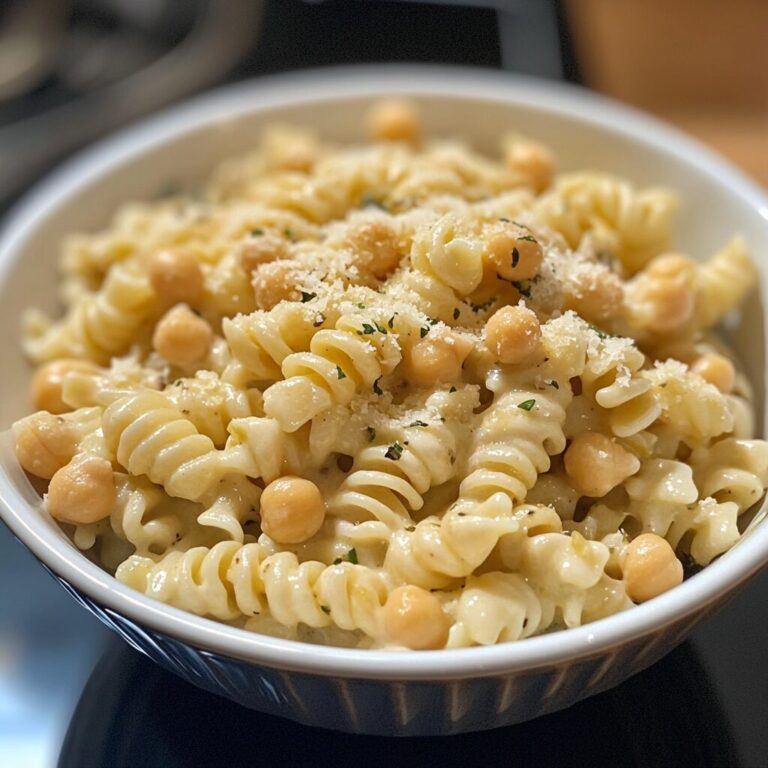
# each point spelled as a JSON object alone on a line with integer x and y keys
{"x": 400, "y": 395}
{"x": 722, "y": 282}
{"x": 635, "y": 225}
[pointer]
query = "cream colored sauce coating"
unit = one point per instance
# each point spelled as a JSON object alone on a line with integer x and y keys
{"x": 397, "y": 395}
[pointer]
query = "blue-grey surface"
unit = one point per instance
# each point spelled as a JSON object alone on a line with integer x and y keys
{"x": 49, "y": 647}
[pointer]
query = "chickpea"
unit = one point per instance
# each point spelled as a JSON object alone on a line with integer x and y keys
{"x": 532, "y": 160}
{"x": 376, "y": 248}
{"x": 597, "y": 297}
{"x": 414, "y": 618}
{"x": 262, "y": 249}
{"x": 437, "y": 359}
{"x": 83, "y": 491}
{"x": 394, "y": 120}
{"x": 650, "y": 567}
{"x": 182, "y": 337}
{"x": 717, "y": 370}
{"x": 47, "y": 381}
{"x": 176, "y": 277}
{"x": 596, "y": 464}
{"x": 515, "y": 252}
{"x": 292, "y": 510}
{"x": 44, "y": 444}
{"x": 289, "y": 149}
{"x": 670, "y": 265}
{"x": 666, "y": 291}
{"x": 513, "y": 335}
{"x": 297, "y": 156}
{"x": 275, "y": 282}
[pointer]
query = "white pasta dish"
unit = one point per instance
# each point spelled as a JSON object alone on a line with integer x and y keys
{"x": 395, "y": 395}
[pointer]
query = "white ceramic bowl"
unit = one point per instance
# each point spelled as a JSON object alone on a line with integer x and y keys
{"x": 371, "y": 691}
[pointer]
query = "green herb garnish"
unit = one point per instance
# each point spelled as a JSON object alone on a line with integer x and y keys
{"x": 257, "y": 232}
{"x": 305, "y": 297}
{"x": 554, "y": 384}
{"x": 391, "y": 322}
{"x": 529, "y": 238}
{"x": 368, "y": 329}
{"x": 423, "y": 331}
{"x": 418, "y": 423}
{"x": 350, "y": 557}
{"x": 339, "y": 373}
{"x": 376, "y": 388}
{"x": 456, "y": 313}
{"x": 515, "y": 257}
{"x": 394, "y": 452}
{"x": 325, "y": 609}
{"x": 526, "y": 405}
{"x": 380, "y": 328}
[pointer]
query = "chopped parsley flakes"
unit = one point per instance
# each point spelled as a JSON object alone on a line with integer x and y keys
{"x": 305, "y": 297}
{"x": 394, "y": 452}
{"x": 350, "y": 557}
{"x": 369, "y": 328}
{"x": 526, "y": 405}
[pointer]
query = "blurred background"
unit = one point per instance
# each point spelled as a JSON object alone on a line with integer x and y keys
{"x": 74, "y": 70}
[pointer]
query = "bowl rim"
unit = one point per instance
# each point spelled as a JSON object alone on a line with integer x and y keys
{"x": 230, "y": 102}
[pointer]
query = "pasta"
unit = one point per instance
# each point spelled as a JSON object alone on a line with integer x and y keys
{"x": 399, "y": 395}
